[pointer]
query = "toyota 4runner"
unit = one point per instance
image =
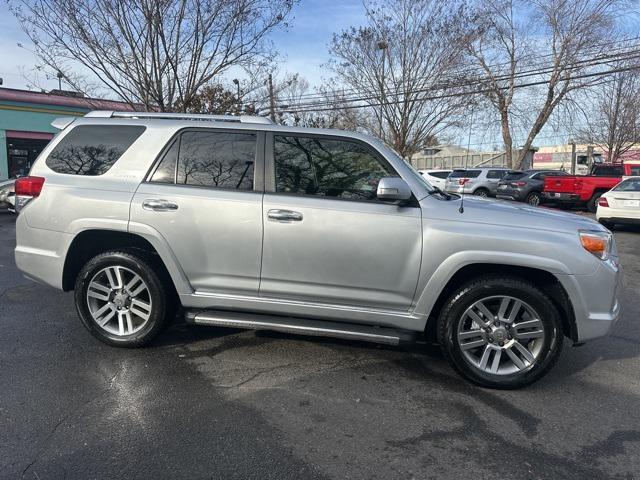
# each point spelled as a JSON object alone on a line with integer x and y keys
{"x": 243, "y": 223}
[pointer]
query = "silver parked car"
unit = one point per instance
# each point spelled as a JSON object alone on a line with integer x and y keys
{"x": 7, "y": 195}
{"x": 482, "y": 182}
{"x": 248, "y": 224}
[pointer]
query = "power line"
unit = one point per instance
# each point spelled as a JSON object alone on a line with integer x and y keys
{"x": 459, "y": 94}
{"x": 580, "y": 64}
{"x": 465, "y": 71}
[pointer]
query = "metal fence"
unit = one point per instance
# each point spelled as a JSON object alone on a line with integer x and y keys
{"x": 460, "y": 161}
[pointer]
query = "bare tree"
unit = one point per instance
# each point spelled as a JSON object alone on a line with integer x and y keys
{"x": 157, "y": 53}
{"x": 501, "y": 41}
{"x": 613, "y": 119}
{"x": 213, "y": 98}
{"x": 406, "y": 47}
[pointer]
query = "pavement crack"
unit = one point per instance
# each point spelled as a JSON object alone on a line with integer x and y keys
{"x": 46, "y": 441}
{"x": 256, "y": 375}
{"x": 52, "y": 432}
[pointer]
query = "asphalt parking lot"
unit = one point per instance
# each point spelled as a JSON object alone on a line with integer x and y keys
{"x": 216, "y": 403}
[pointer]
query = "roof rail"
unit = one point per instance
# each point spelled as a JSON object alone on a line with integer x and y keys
{"x": 180, "y": 116}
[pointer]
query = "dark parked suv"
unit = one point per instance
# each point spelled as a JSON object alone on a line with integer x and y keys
{"x": 525, "y": 186}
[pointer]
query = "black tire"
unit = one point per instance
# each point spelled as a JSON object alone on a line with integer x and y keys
{"x": 534, "y": 199}
{"x": 161, "y": 296}
{"x": 592, "y": 204}
{"x": 492, "y": 285}
{"x": 481, "y": 192}
{"x": 607, "y": 224}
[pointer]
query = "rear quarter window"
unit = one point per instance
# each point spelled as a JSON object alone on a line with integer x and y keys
{"x": 92, "y": 149}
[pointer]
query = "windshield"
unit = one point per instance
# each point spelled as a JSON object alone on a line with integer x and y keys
{"x": 629, "y": 185}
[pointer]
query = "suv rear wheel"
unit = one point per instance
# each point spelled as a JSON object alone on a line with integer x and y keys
{"x": 533, "y": 199}
{"x": 121, "y": 299}
{"x": 500, "y": 332}
{"x": 481, "y": 192}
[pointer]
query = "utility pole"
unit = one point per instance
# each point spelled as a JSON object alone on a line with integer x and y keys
{"x": 573, "y": 156}
{"x": 272, "y": 100}
{"x": 237, "y": 83}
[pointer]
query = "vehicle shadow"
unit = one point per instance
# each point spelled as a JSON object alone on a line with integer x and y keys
{"x": 419, "y": 358}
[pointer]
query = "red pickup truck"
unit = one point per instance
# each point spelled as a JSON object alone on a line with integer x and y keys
{"x": 585, "y": 190}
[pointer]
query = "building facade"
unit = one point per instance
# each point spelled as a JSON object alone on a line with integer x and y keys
{"x": 25, "y": 124}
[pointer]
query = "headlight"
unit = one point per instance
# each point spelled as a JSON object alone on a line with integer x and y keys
{"x": 596, "y": 242}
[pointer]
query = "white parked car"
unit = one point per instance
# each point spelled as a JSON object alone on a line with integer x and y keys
{"x": 621, "y": 204}
{"x": 437, "y": 178}
{"x": 7, "y": 195}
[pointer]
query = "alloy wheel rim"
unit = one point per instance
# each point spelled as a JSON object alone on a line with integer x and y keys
{"x": 534, "y": 200}
{"x": 119, "y": 300}
{"x": 501, "y": 335}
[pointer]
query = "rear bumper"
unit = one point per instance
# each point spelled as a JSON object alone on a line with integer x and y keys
{"x": 40, "y": 254}
{"x": 618, "y": 215}
{"x": 560, "y": 197}
{"x": 595, "y": 300}
{"x": 510, "y": 194}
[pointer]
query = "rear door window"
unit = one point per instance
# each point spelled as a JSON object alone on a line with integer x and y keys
{"x": 92, "y": 149}
{"x": 612, "y": 171}
{"x": 464, "y": 174}
{"x": 493, "y": 174}
{"x": 217, "y": 159}
{"x": 209, "y": 159}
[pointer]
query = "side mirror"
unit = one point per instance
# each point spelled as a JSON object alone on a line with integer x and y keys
{"x": 393, "y": 189}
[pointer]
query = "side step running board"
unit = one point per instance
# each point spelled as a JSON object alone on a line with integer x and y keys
{"x": 252, "y": 321}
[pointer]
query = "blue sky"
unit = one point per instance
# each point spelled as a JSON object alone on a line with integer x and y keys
{"x": 303, "y": 46}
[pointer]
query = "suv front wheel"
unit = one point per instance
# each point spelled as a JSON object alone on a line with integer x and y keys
{"x": 500, "y": 332}
{"x": 121, "y": 299}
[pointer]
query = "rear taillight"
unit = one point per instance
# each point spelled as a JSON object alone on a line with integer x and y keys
{"x": 462, "y": 181}
{"x": 29, "y": 186}
{"x": 518, "y": 184}
{"x": 603, "y": 202}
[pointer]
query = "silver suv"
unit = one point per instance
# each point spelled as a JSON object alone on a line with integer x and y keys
{"x": 247, "y": 224}
{"x": 482, "y": 182}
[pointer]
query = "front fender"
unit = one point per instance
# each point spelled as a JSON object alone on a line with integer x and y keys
{"x": 454, "y": 263}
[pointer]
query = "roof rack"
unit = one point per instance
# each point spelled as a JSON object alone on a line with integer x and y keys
{"x": 180, "y": 116}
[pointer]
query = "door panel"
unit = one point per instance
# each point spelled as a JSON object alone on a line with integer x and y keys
{"x": 326, "y": 237}
{"x": 353, "y": 253}
{"x": 216, "y": 235}
{"x": 205, "y": 198}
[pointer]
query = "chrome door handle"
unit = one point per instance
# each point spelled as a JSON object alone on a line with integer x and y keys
{"x": 159, "y": 205}
{"x": 284, "y": 215}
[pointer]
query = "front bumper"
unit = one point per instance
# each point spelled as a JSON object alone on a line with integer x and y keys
{"x": 595, "y": 299}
